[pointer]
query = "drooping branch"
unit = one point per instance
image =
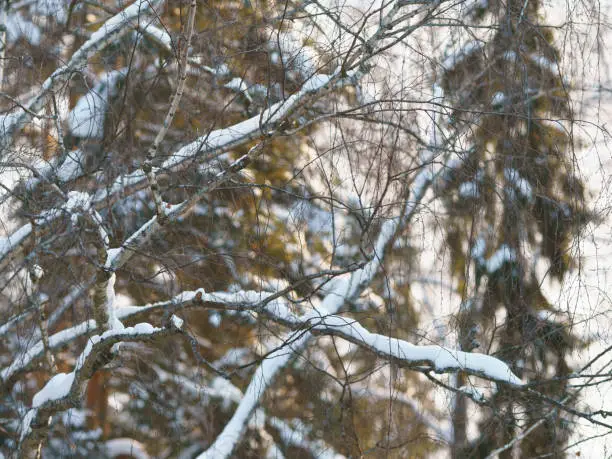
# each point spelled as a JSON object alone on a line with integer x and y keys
{"x": 428, "y": 357}
{"x": 424, "y": 358}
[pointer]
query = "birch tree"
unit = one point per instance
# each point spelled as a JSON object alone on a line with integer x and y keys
{"x": 227, "y": 228}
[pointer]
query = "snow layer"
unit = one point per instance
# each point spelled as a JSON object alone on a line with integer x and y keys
{"x": 113, "y": 321}
{"x": 177, "y": 322}
{"x": 227, "y": 137}
{"x": 126, "y": 447}
{"x": 545, "y": 63}
{"x": 440, "y": 358}
{"x": 76, "y": 203}
{"x": 9, "y": 242}
{"x": 236, "y": 84}
{"x": 498, "y": 98}
{"x": 56, "y": 388}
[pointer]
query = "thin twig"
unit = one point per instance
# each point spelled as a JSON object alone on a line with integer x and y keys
{"x": 147, "y": 167}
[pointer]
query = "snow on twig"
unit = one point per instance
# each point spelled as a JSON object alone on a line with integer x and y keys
{"x": 439, "y": 358}
{"x": 14, "y": 240}
{"x": 292, "y": 436}
{"x": 521, "y": 184}
{"x": 504, "y": 254}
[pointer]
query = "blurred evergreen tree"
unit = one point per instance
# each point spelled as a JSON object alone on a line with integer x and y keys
{"x": 516, "y": 206}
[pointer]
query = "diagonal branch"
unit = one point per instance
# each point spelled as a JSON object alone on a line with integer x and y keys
{"x": 109, "y": 33}
{"x": 346, "y": 289}
{"x": 66, "y": 390}
{"x": 215, "y": 142}
{"x": 211, "y": 145}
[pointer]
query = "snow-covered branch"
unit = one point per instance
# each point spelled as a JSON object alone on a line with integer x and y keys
{"x": 354, "y": 199}
{"x": 246, "y": 301}
{"x": 345, "y": 289}
{"x": 208, "y": 146}
{"x": 66, "y": 390}
{"x": 421, "y": 357}
{"x": 228, "y": 394}
{"x": 215, "y": 142}
{"x": 427, "y": 357}
{"x": 108, "y": 33}
{"x": 276, "y": 309}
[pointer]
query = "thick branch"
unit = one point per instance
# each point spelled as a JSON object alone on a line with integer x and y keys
{"x": 110, "y": 32}
{"x": 66, "y": 391}
{"x": 346, "y": 289}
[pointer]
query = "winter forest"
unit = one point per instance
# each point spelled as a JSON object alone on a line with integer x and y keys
{"x": 305, "y": 229}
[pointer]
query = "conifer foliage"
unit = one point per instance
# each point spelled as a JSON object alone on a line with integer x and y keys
{"x": 516, "y": 204}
